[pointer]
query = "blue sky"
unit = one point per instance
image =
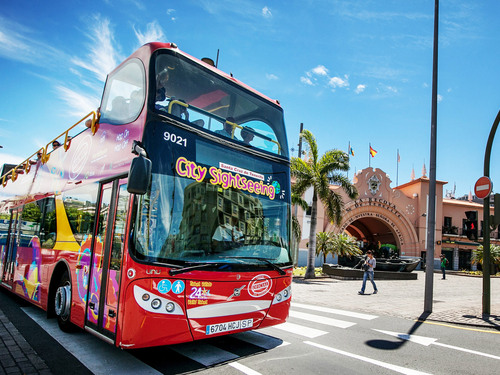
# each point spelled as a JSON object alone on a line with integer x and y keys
{"x": 351, "y": 71}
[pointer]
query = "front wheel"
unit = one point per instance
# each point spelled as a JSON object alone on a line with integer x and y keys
{"x": 62, "y": 303}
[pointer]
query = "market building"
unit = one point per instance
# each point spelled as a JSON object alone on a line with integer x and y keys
{"x": 398, "y": 216}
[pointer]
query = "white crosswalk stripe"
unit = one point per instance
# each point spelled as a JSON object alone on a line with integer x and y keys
{"x": 301, "y": 330}
{"x": 321, "y": 319}
{"x": 328, "y": 310}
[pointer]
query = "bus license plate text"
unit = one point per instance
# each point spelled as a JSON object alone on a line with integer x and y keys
{"x": 229, "y": 326}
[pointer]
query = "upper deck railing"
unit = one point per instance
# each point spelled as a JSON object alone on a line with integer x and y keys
{"x": 43, "y": 154}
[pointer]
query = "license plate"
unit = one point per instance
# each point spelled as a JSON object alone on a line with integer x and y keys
{"x": 229, "y": 326}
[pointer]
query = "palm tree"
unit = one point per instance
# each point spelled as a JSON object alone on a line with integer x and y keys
{"x": 324, "y": 244}
{"x": 477, "y": 255}
{"x": 297, "y": 201}
{"x": 345, "y": 245}
{"x": 318, "y": 173}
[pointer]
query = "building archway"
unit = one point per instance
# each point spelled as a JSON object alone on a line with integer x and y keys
{"x": 372, "y": 220}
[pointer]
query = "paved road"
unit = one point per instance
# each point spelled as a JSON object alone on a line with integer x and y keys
{"x": 325, "y": 312}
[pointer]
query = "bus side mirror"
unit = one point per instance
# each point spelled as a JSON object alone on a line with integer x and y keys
{"x": 139, "y": 175}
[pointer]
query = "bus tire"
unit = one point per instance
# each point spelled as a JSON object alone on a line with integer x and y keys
{"x": 62, "y": 303}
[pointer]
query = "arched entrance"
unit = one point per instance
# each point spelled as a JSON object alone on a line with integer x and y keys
{"x": 373, "y": 220}
{"x": 372, "y": 231}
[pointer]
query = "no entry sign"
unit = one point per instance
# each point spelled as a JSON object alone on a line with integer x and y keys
{"x": 483, "y": 187}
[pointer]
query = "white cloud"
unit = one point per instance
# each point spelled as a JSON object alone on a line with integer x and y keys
{"x": 319, "y": 75}
{"x": 271, "y": 77}
{"x": 19, "y": 43}
{"x": 102, "y": 57}
{"x": 360, "y": 88}
{"x": 439, "y": 98}
{"x": 335, "y": 82}
{"x": 77, "y": 104}
{"x": 266, "y": 12}
{"x": 153, "y": 33}
{"x": 320, "y": 70}
{"x": 6, "y": 158}
{"x": 306, "y": 81}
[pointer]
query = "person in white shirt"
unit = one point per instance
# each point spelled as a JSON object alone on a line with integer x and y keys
{"x": 368, "y": 266}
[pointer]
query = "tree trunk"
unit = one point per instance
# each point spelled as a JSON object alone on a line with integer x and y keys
{"x": 311, "y": 254}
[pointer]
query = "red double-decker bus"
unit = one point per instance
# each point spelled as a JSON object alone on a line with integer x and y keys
{"x": 184, "y": 238}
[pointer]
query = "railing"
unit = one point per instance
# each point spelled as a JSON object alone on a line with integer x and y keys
{"x": 43, "y": 154}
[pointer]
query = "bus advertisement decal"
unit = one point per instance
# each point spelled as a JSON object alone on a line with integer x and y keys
{"x": 260, "y": 285}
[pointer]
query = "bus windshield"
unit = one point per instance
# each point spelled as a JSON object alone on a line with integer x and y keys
{"x": 196, "y": 95}
{"x": 210, "y": 203}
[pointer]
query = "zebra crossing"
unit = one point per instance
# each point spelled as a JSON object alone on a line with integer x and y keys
{"x": 300, "y": 326}
{"x": 310, "y": 332}
{"x": 305, "y": 321}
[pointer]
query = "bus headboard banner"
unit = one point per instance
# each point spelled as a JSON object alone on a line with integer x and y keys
{"x": 175, "y": 151}
{"x": 190, "y": 169}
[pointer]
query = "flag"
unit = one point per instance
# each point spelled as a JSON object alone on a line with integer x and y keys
{"x": 399, "y": 159}
{"x": 372, "y": 152}
{"x": 351, "y": 151}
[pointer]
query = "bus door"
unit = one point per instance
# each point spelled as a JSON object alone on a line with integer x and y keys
{"x": 12, "y": 242}
{"x": 107, "y": 251}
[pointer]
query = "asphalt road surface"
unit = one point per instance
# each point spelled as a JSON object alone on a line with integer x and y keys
{"x": 315, "y": 340}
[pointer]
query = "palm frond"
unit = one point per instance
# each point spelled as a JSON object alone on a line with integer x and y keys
{"x": 311, "y": 142}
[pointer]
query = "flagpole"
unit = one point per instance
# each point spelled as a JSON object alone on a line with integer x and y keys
{"x": 369, "y": 154}
{"x": 397, "y": 168}
{"x": 348, "y": 158}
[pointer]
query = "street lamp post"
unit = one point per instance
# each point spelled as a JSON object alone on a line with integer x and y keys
{"x": 486, "y": 221}
{"x": 431, "y": 213}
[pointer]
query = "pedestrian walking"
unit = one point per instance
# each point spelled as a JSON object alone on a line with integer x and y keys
{"x": 444, "y": 263}
{"x": 368, "y": 268}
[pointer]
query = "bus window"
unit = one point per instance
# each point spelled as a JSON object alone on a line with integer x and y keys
{"x": 80, "y": 206}
{"x": 119, "y": 229}
{"x": 201, "y": 98}
{"x": 259, "y": 135}
{"x": 124, "y": 94}
{"x": 48, "y": 231}
{"x": 31, "y": 220}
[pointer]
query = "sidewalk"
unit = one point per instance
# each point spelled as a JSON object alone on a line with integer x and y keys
{"x": 458, "y": 299}
{"x": 16, "y": 355}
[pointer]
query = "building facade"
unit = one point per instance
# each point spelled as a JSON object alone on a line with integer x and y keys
{"x": 397, "y": 216}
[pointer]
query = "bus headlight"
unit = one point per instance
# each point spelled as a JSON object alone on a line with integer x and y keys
{"x": 156, "y": 303}
{"x": 145, "y": 297}
{"x": 170, "y": 307}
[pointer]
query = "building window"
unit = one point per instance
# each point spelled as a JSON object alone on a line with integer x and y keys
{"x": 447, "y": 221}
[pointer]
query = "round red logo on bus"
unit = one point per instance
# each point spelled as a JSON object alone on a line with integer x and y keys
{"x": 259, "y": 285}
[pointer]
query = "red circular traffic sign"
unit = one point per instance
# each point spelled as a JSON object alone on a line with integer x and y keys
{"x": 483, "y": 187}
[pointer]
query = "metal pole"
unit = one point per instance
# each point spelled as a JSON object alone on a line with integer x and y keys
{"x": 486, "y": 222}
{"x": 369, "y": 155}
{"x": 397, "y": 168}
{"x": 431, "y": 214}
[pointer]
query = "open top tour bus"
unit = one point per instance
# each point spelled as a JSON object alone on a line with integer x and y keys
{"x": 184, "y": 238}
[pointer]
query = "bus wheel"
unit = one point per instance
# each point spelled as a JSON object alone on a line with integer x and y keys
{"x": 62, "y": 303}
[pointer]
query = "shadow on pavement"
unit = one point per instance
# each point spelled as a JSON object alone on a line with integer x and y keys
{"x": 395, "y": 345}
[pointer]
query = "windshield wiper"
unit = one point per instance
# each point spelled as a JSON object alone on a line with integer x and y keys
{"x": 274, "y": 266}
{"x": 177, "y": 271}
